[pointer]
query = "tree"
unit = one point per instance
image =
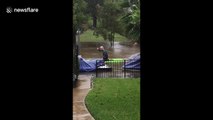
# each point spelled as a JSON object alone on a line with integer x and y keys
{"x": 79, "y": 18}
{"x": 108, "y": 17}
{"x": 132, "y": 21}
{"x": 79, "y": 15}
{"x": 92, "y": 9}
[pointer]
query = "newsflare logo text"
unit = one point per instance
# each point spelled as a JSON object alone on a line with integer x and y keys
{"x": 18, "y": 10}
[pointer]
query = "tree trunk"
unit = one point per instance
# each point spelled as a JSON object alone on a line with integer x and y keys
{"x": 74, "y": 36}
{"x": 113, "y": 39}
{"x": 94, "y": 21}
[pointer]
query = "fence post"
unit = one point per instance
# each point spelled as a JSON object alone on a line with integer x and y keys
{"x": 124, "y": 68}
{"x": 96, "y": 68}
{"x": 77, "y": 62}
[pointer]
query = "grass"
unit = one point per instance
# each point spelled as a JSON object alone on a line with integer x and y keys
{"x": 88, "y": 36}
{"x": 114, "y": 99}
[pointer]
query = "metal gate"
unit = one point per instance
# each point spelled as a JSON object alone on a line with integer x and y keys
{"x": 115, "y": 69}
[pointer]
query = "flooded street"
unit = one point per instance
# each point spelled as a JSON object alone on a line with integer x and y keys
{"x": 89, "y": 50}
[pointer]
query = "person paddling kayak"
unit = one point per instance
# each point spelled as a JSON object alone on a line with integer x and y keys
{"x": 105, "y": 53}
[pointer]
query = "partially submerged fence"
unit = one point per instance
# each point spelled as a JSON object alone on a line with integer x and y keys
{"x": 116, "y": 69}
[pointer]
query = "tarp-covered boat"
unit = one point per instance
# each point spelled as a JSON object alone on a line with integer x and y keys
{"x": 89, "y": 65}
{"x": 133, "y": 62}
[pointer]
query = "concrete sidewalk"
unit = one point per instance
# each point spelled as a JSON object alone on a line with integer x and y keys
{"x": 80, "y": 111}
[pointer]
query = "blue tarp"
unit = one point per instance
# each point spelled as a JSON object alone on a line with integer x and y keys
{"x": 133, "y": 62}
{"x": 89, "y": 65}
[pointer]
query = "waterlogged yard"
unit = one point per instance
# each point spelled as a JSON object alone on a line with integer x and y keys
{"x": 114, "y": 99}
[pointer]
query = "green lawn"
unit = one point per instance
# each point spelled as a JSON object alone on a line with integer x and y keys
{"x": 88, "y": 36}
{"x": 114, "y": 99}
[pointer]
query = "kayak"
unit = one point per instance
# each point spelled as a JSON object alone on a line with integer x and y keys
{"x": 115, "y": 60}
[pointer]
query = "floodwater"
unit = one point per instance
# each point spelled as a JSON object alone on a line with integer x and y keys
{"x": 89, "y": 50}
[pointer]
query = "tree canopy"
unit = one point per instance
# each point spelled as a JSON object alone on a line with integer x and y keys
{"x": 79, "y": 14}
{"x": 109, "y": 17}
{"x": 132, "y": 21}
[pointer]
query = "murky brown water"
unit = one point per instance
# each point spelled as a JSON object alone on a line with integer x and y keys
{"x": 89, "y": 50}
